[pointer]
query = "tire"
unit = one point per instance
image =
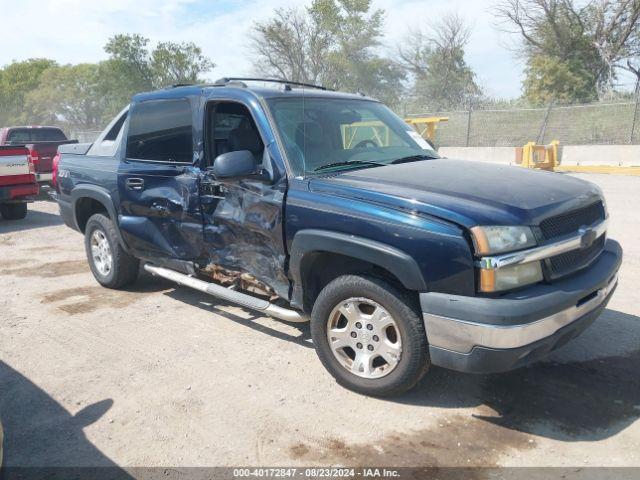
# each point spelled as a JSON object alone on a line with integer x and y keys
{"x": 13, "y": 211}
{"x": 374, "y": 298}
{"x": 122, "y": 270}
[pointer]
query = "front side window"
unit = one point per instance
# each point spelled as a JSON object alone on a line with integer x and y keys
{"x": 161, "y": 130}
{"x": 231, "y": 128}
{"x": 322, "y": 135}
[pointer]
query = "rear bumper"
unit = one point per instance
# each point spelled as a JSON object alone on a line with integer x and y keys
{"x": 482, "y": 335}
{"x": 18, "y": 193}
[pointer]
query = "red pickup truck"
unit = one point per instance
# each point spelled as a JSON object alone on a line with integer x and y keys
{"x": 42, "y": 144}
{"x": 17, "y": 182}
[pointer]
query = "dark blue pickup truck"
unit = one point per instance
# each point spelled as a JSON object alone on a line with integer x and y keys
{"x": 303, "y": 203}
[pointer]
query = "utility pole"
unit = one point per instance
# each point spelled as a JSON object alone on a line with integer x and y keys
{"x": 469, "y": 124}
{"x": 543, "y": 130}
{"x": 635, "y": 112}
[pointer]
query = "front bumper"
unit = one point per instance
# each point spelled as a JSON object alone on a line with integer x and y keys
{"x": 483, "y": 335}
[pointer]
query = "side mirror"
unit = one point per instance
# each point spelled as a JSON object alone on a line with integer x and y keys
{"x": 235, "y": 165}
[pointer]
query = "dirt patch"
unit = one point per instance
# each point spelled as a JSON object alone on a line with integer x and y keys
{"x": 8, "y": 241}
{"x": 457, "y": 441}
{"x": 47, "y": 270}
{"x": 74, "y": 301}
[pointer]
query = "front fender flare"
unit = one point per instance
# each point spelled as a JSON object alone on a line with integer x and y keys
{"x": 395, "y": 261}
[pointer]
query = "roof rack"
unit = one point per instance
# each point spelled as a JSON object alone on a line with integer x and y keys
{"x": 225, "y": 80}
{"x": 178, "y": 85}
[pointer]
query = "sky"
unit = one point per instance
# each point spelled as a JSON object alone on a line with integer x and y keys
{"x": 75, "y": 31}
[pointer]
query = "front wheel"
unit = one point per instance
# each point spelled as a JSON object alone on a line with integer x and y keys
{"x": 368, "y": 336}
{"x": 13, "y": 211}
{"x": 110, "y": 264}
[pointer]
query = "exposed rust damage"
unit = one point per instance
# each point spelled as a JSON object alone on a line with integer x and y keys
{"x": 240, "y": 281}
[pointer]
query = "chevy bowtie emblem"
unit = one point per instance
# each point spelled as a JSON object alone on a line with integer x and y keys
{"x": 587, "y": 237}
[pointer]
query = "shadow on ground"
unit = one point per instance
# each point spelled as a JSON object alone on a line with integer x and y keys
{"x": 39, "y": 432}
{"x": 564, "y": 399}
{"x": 585, "y": 400}
{"x": 33, "y": 220}
{"x": 211, "y": 304}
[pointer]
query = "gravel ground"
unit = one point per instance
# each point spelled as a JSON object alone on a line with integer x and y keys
{"x": 164, "y": 376}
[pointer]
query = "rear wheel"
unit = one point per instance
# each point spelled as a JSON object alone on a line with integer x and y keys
{"x": 13, "y": 211}
{"x": 110, "y": 264}
{"x": 369, "y": 336}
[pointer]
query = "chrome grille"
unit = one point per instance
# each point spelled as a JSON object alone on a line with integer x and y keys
{"x": 569, "y": 223}
{"x": 567, "y": 263}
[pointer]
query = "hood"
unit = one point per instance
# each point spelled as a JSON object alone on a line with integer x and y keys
{"x": 464, "y": 192}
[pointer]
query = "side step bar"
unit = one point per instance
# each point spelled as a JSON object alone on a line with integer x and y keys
{"x": 233, "y": 296}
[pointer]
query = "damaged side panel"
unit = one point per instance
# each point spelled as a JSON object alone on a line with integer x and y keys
{"x": 243, "y": 232}
{"x": 161, "y": 218}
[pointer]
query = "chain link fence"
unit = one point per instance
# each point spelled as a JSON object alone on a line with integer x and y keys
{"x": 597, "y": 124}
{"x": 86, "y": 136}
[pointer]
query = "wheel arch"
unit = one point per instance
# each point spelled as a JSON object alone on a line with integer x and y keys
{"x": 87, "y": 200}
{"x": 338, "y": 253}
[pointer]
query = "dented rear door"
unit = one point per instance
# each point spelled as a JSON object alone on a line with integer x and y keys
{"x": 160, "y": 213}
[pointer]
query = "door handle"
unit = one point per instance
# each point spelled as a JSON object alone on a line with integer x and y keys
{"x": 136, "y": 184}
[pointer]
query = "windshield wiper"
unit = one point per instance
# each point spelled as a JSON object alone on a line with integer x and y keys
{"x": 348, "y": 163}
{"x": 414, "y": 158}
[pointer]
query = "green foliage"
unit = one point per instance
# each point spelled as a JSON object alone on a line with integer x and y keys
{"x": 552, "y": 80}
{"x": 331, "y": 42}
{"x": 87, "y": 96}
{"x": 16, "y": 81}
{"x": 174, "y": 63}
{"x": 442, "y": 80}
{"x": 573, "y": 49}
{"x": 68, "y": 95}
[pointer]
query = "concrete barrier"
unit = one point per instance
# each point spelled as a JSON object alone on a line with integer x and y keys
{"x": 571, "y": 155}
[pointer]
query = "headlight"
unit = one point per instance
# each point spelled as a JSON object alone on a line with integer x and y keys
{"x": 492, "y": 240}
{"x": 507, "y": 278}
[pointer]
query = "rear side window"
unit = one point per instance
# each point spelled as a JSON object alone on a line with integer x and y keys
{"x": 161, "y": 130}
{"x": 115, "y": 130}
{"x": 32, "y": 135}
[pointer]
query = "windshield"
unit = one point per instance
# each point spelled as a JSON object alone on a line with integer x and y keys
{"x": 324, "y": 135}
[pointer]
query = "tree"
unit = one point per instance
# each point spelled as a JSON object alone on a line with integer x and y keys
{"x": 587, "y": 44}
{"x": 442, "y": 80}
{"x": 174, "y": 63}
{"x": 132, "y": 67}
{"x": 616, "y": 34}
{"x": 332, "y": 42}
{"x": 550, "y": 80}
{"x": 69, "y": 95}
{"x": 292, "y": 46}
{"x": 16, "y": 81}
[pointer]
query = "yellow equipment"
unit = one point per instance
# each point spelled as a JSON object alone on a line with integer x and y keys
{"x": 543, "y": 157}
{"x": 359, "y": 131}
{"x": 426, "y": 126}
